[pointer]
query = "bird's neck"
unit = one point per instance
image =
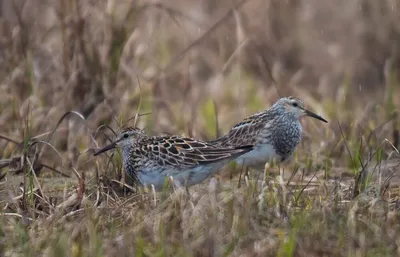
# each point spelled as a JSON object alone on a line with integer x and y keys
{"x": 127, "y": 150}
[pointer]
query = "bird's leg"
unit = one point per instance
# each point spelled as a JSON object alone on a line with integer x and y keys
{"x": 246, "y": 174}
{"x": 187, "y": 192}
{"x": 240, "y": 176}
{"x": 182, "y": 185}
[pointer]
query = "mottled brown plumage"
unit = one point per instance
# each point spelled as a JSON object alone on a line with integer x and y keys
{"x": 152, "y": 159}
{"x": 275, "y": 133}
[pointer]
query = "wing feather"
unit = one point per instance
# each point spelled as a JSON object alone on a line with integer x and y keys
{"x": 187, "y": 152}
{"x": 244, "y": 132}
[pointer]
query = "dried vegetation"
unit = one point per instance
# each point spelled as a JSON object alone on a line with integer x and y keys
{"x": 72, "y": 71}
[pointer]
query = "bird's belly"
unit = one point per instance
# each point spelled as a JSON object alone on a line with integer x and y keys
{"x": 152, "y": 177}
{"x": 190, "y": 176}
{"x": 257, "y": 158}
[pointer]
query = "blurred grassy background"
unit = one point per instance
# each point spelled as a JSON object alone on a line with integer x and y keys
{"x": 198, "y": 67}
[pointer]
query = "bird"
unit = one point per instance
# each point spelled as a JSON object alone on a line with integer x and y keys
{"x": 150, "y": 160}
{"x": 274, "y": 132}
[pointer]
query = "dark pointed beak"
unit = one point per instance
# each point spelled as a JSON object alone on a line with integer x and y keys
{"x": 315, "y": 116}
{"x": 106, "y": 148}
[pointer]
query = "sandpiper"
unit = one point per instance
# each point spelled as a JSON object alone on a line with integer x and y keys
{"x": 150, "y": 160}
{"x": 274, "y": 132}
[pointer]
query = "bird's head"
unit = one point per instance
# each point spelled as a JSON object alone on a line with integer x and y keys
{"x": 126, "y": 137}
{"x": 295, "y": 106}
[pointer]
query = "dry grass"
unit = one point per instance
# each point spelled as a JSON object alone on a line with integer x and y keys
{"x": 71, "y": 71}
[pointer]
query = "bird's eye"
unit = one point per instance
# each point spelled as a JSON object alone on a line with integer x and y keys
{"x": 126, "y": 135}
{"x": 295, "y": 104}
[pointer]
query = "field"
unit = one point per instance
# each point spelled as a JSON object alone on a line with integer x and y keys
{"x": 74, "y": 71}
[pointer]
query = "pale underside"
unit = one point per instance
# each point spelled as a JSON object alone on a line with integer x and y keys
{"x": 186, "y": 177}
{"x": 258, "y": 157}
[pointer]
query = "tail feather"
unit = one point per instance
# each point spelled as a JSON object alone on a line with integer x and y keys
{"x": 244, "y": 148}
{"x": 229, "y": 152}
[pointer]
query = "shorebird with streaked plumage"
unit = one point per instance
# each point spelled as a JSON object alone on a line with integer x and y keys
{"x": 150, "y": 160}
{"x": 274, "y": 132}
